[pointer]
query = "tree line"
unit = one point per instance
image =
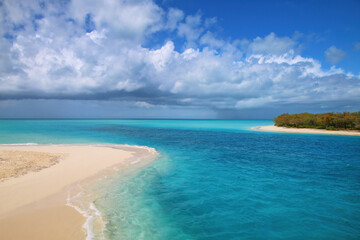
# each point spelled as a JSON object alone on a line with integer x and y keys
{"x": 329, "y": 121}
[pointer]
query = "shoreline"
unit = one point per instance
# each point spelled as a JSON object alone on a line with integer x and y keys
{"x": 52, "y": 203}
{"x": 273, "y": 128}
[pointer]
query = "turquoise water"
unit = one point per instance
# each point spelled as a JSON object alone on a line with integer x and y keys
{"x": 216, "y": 179}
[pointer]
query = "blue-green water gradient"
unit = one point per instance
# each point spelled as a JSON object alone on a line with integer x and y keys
{"x": 217, "y": 179}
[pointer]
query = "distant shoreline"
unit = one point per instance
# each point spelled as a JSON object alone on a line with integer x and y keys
{"x": 273, "y": 128}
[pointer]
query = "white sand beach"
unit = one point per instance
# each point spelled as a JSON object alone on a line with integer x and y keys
{"x": 34, "y": 187}
{"x": 305, "y": 130}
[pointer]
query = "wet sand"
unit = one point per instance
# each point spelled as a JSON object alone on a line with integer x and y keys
{"x": 33, "y": 199}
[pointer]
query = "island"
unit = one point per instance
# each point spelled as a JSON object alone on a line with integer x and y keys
{"x": 345, "y": 123}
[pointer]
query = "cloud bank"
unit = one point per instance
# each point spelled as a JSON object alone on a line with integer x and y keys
{"x": 99, "y": 50}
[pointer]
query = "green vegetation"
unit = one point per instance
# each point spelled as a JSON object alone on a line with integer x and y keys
{"x": 329, "y": 121}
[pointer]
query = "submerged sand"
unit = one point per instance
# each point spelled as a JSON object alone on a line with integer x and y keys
{"x": 306, "y": 130}
{"x": 35, "y": 186}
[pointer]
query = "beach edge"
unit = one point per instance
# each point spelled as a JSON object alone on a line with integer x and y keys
{"x": 273, "y": 128}
{"x": 59, "y": 202}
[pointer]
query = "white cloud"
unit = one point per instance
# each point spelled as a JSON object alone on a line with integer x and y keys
{"x": 143, "y": 104}
{"x": 161, "y": 57}
{"x": 190, "y": 53}
{"x": 59, "y": 59}
{"x": 334, "y": 55}
{"x": 253, "y": 102}
{"x": 191, "y": 29}
{"x": 174, "y": 16}
{"x": 271, "y": 44}
{"x": 209, "y": 39}
{"x": 124, "y": 19}
{"x": 97, "y": 37}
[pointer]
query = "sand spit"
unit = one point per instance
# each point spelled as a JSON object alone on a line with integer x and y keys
{"x": 36, "y": 182}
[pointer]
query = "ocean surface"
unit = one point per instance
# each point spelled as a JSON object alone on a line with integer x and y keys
{"x": 217, "y": 179}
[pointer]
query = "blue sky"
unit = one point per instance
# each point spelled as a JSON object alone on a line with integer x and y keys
{"x": 319, "y": 23}
{"x": 178, "y": 59}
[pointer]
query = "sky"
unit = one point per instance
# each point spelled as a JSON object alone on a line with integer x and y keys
{"x": 232, "y": 59}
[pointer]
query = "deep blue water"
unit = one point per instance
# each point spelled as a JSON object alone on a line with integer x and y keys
{"x": 216, "y": 179}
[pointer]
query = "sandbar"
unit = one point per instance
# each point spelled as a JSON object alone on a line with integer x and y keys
{"x": 306, "y": 130}
{"x": 34, "y": 196}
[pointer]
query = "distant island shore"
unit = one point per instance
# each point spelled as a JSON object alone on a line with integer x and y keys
{"x": 328, "y": 121}
{"x": 345, "y": 123}
{"x": 273, "y": 128}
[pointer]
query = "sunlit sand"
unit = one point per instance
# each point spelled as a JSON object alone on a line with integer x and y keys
{"x": 34, "y": 190}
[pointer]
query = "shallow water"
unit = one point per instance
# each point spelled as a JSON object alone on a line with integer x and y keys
{"x": 216, "y": 179}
